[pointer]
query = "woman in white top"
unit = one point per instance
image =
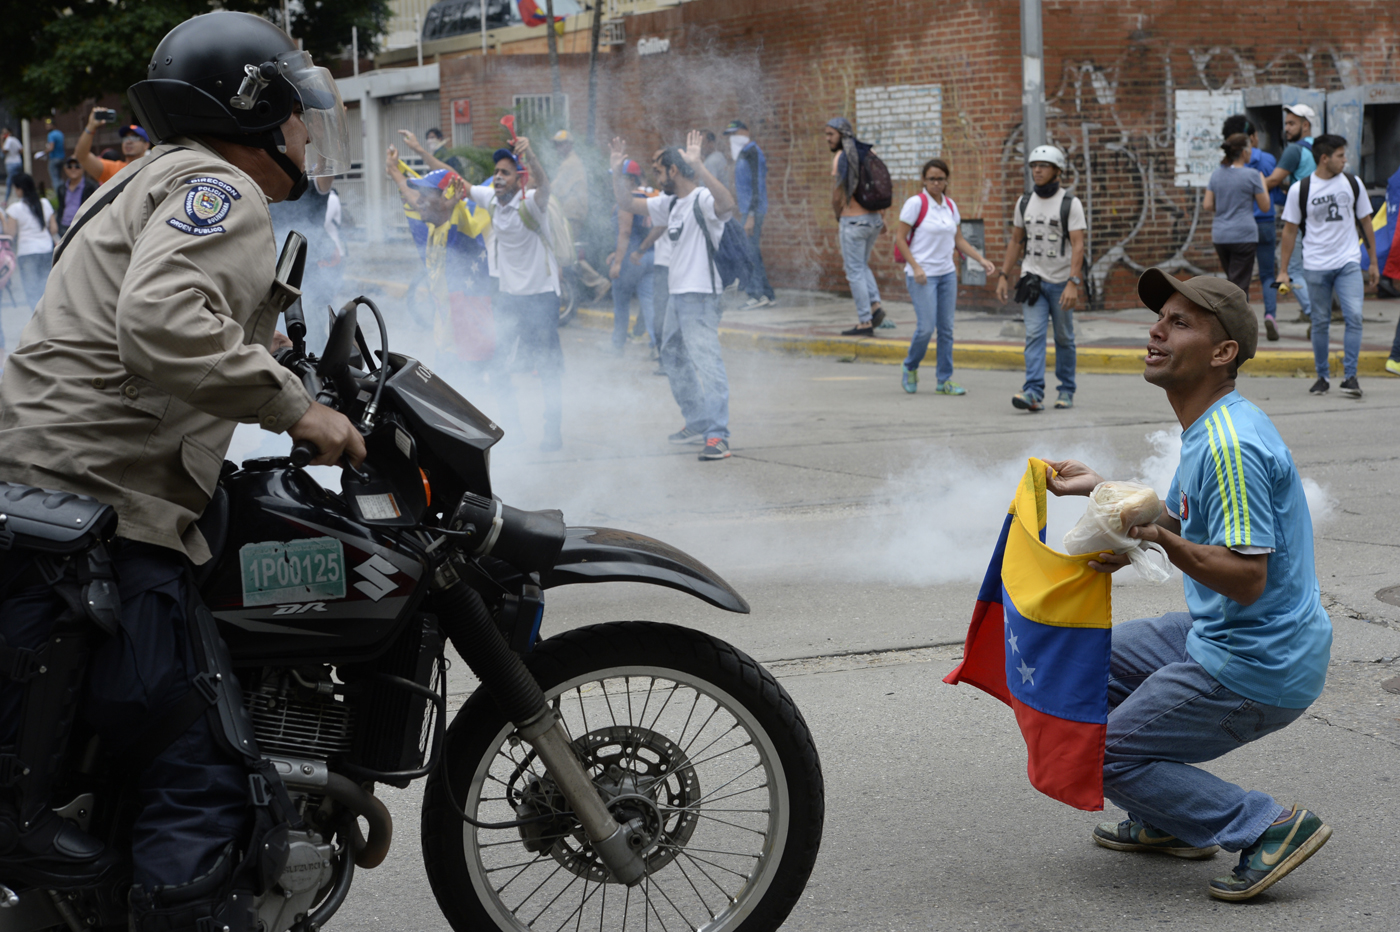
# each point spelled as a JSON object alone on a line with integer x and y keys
{"x": 31, "y": 221}
{"x": 928, "y": 238}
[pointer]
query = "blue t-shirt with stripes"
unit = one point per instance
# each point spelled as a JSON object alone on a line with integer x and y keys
{"x": 1236, "y": 486}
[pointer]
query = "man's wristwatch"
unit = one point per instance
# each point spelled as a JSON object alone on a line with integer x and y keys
{"x": 1076, "y": 280}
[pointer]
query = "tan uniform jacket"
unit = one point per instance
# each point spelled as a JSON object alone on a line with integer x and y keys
{"x": 149, "y": 343}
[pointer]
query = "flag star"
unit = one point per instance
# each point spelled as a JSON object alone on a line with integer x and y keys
{"x": 1026, "y": 672}
{"x": 1014, "y": 648}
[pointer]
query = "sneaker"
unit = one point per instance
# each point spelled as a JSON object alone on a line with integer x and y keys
{"x": 754, "y": 303}
{"x": 1270, "y": 329}
{"x": 1027, "y": 402}
{"x": 877, "y": 316}
{"x": 1139, "y": 836}
{"x": 716, "y": 448}
{"x": 686, "y": 435}
{"x": 1391, "y": 365}
{"x": 865, "y": 331}
{"x": 1282, "y": 847}
{"x": 1351, "y": 388}
{"x": 1065, "y": 400}
{"x": 950, "y": 388}
{"x": 1320, "y": 387}
{"x": 909, "y": 378}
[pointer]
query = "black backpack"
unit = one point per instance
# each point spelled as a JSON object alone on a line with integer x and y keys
{"x": 1066, "y": 205}
{"x": 875, "y": 190}
{"x": 1303, "y": 187}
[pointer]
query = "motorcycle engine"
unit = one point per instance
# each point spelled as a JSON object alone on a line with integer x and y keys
{"x": 308, "y": 870}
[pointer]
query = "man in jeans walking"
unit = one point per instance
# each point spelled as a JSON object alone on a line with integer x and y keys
{"x": 693, "y": 212}
{"x": 751, "y": 192}
{"x": 1329, "y": 209}
{"x": 859, "y": 227}
{"x": 1296, "y": 163}
{"x": 1266, "y": 252}
{"x": 1052, "y": 269}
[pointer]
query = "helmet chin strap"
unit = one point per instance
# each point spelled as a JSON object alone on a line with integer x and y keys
{"x": 275, "y": 145}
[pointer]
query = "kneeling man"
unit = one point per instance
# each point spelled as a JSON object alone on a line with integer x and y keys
{"x": 1251, "y": 654}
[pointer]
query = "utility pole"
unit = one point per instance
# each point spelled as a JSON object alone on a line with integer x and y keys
{"x": 1032, "y": 79}
{"x": 557, "y": 104}
{"x": 593, "y": 70}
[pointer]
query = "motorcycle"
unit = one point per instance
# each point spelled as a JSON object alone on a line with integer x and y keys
{"x": 613, "y": 776}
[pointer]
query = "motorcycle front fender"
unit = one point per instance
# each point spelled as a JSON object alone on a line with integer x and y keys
{"x": 604, "y": 554}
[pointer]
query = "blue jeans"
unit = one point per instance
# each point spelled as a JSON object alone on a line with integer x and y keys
{"x": 1298, "y": 277}
{"x": 35, "y": 270}
{"x": 1167, "y": 713}
{"x": 858, "y": 235}
{"x": 1350, "y": 288}
{"x": 11, "y": 169}
{"x": 527, "y": 338}
{"x": 1038, "y": 317}
{"x": 756, "y": 285}
{"x": 1267, "y": 258}
{"x": 633, "y": 280}
{"x": 933, "y": 306}
{"x": 694, "y": 365}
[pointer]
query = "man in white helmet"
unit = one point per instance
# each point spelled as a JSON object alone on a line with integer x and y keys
{"x": 1048, "y": 239}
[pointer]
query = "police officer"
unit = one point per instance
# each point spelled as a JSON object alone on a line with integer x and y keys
{"x": 151, "y": 342}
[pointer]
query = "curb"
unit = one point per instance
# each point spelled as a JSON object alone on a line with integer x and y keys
{"x": 1101, "y": 360}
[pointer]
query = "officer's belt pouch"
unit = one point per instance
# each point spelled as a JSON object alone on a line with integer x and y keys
{"x": 67, "y": 534}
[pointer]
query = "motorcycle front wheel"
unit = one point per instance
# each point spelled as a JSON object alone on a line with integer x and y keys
{"x": 677, "y": 729}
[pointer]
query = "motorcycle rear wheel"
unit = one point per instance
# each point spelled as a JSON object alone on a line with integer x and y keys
{"x": 680, "y": 729}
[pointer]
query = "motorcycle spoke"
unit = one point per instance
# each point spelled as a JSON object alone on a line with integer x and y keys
{"x": 696, "y": 862}
{"x": 578, "y": 691}
{"x": 608, "y": 700}
{"x": 681, "y": 866}
{"x": 506, "y": 867}
{"x": 701, "y": 731}
{"x": 647, "y": 884}
{"x": 671, "y": 693}
{"x": 537, "y": 888}
{"x": 651, "y": 882}
{"x": 568, "y": 886}
{"x": 706, "y": 760}
{"x": 501, "y": 889}
{"x": 744, "y": 828}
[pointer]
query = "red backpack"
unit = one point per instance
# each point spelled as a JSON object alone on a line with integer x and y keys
{"x": 923, "y": 212}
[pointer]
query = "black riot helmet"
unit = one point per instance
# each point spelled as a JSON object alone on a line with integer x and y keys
{"x": 236, "y": 76}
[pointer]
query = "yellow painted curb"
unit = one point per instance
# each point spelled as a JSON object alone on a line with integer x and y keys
{"x": 1110, "y": 360}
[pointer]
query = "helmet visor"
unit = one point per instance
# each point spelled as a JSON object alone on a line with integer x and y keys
{"x": 328, "y": 148}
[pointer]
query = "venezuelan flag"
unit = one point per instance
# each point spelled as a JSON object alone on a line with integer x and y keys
{"x": 1039, "y": 641}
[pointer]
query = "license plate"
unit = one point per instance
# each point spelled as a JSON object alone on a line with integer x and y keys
{"x": 310, "y": 570}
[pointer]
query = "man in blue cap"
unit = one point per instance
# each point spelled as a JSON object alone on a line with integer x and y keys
{"x": 751, "y": 194}
{"x": 135, "y": 144}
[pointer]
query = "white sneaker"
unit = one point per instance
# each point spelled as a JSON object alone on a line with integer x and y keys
{"x": 755, "y": 303}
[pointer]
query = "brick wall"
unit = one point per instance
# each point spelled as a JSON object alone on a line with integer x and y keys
{"x": 1126, "y": 85}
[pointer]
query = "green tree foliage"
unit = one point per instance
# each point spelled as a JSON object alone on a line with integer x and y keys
{"x": 57, "y": 57}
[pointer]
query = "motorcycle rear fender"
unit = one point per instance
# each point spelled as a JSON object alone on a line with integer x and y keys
{"x": 603, "y": 554}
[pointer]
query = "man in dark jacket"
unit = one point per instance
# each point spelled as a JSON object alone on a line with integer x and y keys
{"x": 76, "y": 188}
{"x": 751, "y": 192}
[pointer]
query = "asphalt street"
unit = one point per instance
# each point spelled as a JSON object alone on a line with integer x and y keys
{"x": 857, "y": 520}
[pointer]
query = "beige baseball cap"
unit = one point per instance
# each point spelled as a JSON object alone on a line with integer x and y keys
{"x": 1218, "y": 296}
{"x": 1307, "y": 113}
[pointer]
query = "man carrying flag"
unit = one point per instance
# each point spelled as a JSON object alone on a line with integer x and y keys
{"x": 1251, "y": 654}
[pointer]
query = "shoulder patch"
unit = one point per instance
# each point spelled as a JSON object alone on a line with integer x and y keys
{"x": 193, "y": 230}
{"x": 206, "y": 205}
{"x": 219, "y": 183}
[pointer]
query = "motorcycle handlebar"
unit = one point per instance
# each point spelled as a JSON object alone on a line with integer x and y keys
{"x": 303, "y": 452}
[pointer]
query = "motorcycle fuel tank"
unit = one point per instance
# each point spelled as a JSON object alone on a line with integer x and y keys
{"x": 297, "y": 579}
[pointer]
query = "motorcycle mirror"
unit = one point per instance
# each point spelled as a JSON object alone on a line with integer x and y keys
{"x": 290, "y": 267}
{"x": 340, "y": 345}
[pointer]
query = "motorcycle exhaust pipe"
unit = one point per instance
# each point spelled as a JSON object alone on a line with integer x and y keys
{"x": 467, "y": 622}
{"x": 371, "y": 852}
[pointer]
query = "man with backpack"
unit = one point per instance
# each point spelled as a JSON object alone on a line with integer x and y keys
{"x": 751, "y": 192}
{"x": 862, "y": 190}
{"x": 1330, "y": 209}
{"x": 693, "y": 213}
{"x": 1296, "y": 163}
{"x": 523, "y": 258}
{"x": 1049, "y": 227}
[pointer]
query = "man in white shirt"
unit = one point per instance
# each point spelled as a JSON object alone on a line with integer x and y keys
{"x": 693, "y": 213}
{"x": 527, "y": 308}
{"x": 1330, "y": 208}
{"x": 1052, "y": 238}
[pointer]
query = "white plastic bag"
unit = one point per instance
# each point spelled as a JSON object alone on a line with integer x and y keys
{"x": 1113, "y": 508}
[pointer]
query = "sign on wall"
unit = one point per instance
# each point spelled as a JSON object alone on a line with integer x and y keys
{"x": 905, "y": 124}
{"x": 1199, "y": 116}
{"x": 462, "y": 111}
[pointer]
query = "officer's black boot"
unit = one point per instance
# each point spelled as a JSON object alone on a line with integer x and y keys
{"x": 48, "y": 851}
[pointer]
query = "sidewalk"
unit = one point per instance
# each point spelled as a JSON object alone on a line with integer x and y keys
{"x": 810, "y": 323}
